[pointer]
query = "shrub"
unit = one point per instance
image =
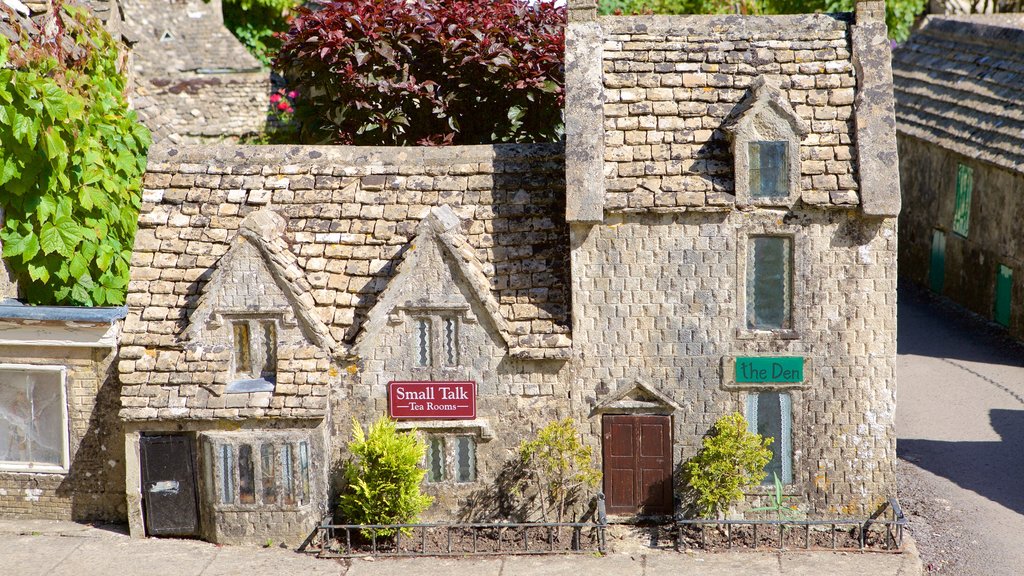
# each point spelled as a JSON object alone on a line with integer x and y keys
{"x": 72, "y": 156}
{"x": 560, "y": 465}
{"x": 383, "y": 477}
{"x": 256, "y": 22}
{"x": 427, "y": 71}
{"x": 730, "y": 460}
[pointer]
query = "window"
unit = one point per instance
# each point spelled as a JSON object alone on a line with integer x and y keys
{"x": 254, "y": 344}
{"x": 280, "y": 467}
{"x": 451, "y": 457}
{"x": 769, "y": 169}
{"x": 1004, "y": 295}
{"x": 444, "y": 352}
{"x": 33, "y": 419}
{"x": 962, "y": 211}
{"x": 769, "y": 283}
{"x": 770, "y": 414}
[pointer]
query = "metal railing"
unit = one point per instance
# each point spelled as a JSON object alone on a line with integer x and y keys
{"x": 875, "y": 533}
{"x": 460, "y": 539}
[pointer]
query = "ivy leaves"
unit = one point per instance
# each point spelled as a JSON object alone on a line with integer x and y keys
{"x": 72, "y": 157}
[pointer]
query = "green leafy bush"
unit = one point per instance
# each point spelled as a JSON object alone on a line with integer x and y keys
{"x": 72, "y": 157}
{"x": 398, "y": 72}
{"x": 383, "y": 477}
{"x": 560, "y": 466}
{"x": 256, "y": 22}
{"x": 899, "y": 14}
{"x": 730, "y": 460}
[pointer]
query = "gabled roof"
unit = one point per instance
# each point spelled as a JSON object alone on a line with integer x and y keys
{"x": 639, "y": 396}
{"x": 264, "y": 230}
{"x": 959, "y": 83}
{"x": 441, "y": 227}
{"x": 764, "y": 95}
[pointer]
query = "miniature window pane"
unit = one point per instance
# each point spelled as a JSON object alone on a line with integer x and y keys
{"x": 227, "y": 474}
{"x": 304, "y": 470}
{"x": 287, "y": 476}
{"x": 451, "y": 342}
{"x": 962, "y": 211}
{"x": 769, "y": 283}
{"x": 243, "y": 353}
{"x": 465, "y": 459}
{"x": 423, "y": 342}
{"x": 32, "y": 428}
{"x": 435, "y": 459}
{"x": 269, "y": 469}
{"x": 246, "y": 475}
{"x": 269, "y": 356}
{"x": 769, "y": 169}
{"x": 770, "y": 415}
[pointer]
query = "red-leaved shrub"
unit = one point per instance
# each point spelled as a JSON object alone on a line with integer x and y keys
{"x": 427, "y": 71}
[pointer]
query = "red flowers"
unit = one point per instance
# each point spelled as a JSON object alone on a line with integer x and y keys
{"x": 283, "y": 103}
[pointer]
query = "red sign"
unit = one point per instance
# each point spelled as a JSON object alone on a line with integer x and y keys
{"x": 432, "y": 400}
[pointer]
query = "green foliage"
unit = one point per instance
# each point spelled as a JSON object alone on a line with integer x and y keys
{"x": 730, "y": 460}
{"x": 255, "y": 22}
{"x": 782, "y": 510}
{"x": 383, "y": 477}
{"x": 561, "y": 466}
{"x": 899, "y": 15}
{"x": 72, "y": 157}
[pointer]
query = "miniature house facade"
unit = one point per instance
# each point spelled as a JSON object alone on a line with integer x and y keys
{"x": 716, "y": 234}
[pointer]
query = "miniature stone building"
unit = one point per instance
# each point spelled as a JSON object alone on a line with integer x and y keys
{"x": 195, "y": 82}
{"x": 717, "y": 233}
{"x": 959, "y": 82}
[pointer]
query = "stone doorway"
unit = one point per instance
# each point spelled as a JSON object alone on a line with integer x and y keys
{"x": 169, "y": 495}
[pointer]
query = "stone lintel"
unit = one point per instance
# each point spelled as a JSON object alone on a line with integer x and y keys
{"x": 875, "y": 115}
{"x": 584, "y": 123}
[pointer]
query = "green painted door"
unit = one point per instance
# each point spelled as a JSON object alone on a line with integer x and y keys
{"x": 1004, "y": 294}
{"x": 937, "y": 270}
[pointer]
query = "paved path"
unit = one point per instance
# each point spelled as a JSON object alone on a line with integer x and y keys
{"x": 960, "y": 422}
{"x": 39, "y": 547}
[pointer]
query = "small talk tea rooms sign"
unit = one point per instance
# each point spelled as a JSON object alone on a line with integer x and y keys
{"x": 773, "y": 371}
{"x": 432, "y": 400}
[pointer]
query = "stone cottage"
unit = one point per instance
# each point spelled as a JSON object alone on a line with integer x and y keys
{"x": 959, "y": 83}
{"x": 716, "y": 234}
{"x": 194, "y": 81}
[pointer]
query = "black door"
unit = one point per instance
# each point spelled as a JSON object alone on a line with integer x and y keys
{"x": 169, "y": 486}
{"x": 638, "y": 464}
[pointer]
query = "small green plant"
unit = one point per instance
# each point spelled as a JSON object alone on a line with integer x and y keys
{"x": 782, "y": 510}
{"x": 730, "y": 460}
{"x": 561, "y": 466}
{"x": 383, "y": 477}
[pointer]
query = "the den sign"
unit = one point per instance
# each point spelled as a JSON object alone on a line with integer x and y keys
{"x": 432, "y": 400}
{"x": 761, "y": 369}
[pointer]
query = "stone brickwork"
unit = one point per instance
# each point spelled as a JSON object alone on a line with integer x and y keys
{"x": 671, "y": 82}
{"x": 93, "y": 487}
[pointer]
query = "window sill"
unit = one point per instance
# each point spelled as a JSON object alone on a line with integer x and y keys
{"x": 761, "y": 334}
{"x": 249, "y": 386}
{"x": 32, "y": 468}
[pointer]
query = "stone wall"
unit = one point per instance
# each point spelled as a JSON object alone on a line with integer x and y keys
{"x": 93, "y": 487}
{"x": 928, "y": 176}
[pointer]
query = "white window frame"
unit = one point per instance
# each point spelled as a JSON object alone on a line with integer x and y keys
{"x": 41, "y": 467}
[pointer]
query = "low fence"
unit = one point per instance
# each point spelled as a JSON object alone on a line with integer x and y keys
{"x": 883, "y": 532}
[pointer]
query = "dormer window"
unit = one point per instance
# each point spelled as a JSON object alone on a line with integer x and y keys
{"x": 254, "y": 350}
{"x": 766, "y": 134}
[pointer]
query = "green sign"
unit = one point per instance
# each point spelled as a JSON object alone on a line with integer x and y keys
{"x": 758, "y": 369}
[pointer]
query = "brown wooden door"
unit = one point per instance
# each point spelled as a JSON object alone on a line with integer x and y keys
{"x": 169, "y": 486}
{"x": 637, "y": 464}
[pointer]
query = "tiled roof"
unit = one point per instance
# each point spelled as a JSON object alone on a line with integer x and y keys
{"x": 959, "y": 82}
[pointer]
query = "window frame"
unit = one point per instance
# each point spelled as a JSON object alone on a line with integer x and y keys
{"x": 437, "y": 340}
{"x": 450, "y": 452}
{"x": 764, "y": 226}
{"x": 964, "y": 192}
{"x": 784, "y": 177}
{"x": 257, "y": 350}
{"x": 65, "y": 432}
{"x": 218, "y": 477}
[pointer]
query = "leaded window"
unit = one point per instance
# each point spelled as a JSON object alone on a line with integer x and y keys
{"x": 769, "y": 169}
{"x": 770, "y": 414}
{"x": 254, "y": 349}
{"x": 769, "y": 283}
{"x": 436, "y": 342}
{"x": 273, "y": 472}
{"x": 451, "y": 457}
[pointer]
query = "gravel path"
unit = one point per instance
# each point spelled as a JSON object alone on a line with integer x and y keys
{"x": 960, "y": 423}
